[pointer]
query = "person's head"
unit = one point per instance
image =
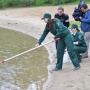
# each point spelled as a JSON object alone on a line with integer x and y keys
{"x": 46, "y": 17}
{"x": 74, "y": 28}
{"x": 60, "y": 10}
{"x": 84, "y": 8}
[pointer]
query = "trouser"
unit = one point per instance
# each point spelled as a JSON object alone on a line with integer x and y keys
{"x": 56, "y": 42}
{"x": 79, "y": 50}
{"x": 87, "y": 40}
{"x": 66, "y": 41}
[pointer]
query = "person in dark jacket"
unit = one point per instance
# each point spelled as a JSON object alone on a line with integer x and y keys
{"x": 63, "y": 17}
{"x": 78, "y": 40}
{"x": 57, "y": 28}
{"x": 85, "y": 27}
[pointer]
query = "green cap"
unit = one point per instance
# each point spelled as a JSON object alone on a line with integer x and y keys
{"x": 74, "y": 26}
{"x": 46, "y": 15}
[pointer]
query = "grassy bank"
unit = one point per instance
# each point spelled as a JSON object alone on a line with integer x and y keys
{"x": 35, "y": 3}
{"x": 77, "y": 1}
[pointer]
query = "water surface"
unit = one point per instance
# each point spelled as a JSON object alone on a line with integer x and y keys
{"x": 26, "y": 72}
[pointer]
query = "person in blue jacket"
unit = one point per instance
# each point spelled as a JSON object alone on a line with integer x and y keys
{"x": 57, "y": 28}
{"x": 78, "y": 41}
{"x": 85, "y": 26}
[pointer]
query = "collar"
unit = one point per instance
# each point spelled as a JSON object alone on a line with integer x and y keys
{"x": 74, "y": 33}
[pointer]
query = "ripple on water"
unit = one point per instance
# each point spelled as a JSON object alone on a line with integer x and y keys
{"x": 26, "y": 72}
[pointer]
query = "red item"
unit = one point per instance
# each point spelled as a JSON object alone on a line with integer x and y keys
{"x": 57, "y": 39}
{"x": 2, "y": 61}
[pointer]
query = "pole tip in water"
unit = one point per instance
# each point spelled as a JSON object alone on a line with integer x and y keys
{"x": 2, "y": 61}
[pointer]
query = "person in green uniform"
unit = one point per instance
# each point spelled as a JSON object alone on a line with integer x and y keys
{"x": 78, "y": 41}
{"x": 57, "y": 28}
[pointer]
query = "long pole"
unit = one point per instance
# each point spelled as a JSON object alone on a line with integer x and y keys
{"x": 25, "y": 52}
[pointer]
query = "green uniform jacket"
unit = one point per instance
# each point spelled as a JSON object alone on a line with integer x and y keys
{"x": 58, "y": 30}
{"x": 78, "y": 37}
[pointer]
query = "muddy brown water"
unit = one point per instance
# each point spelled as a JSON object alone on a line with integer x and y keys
{"x": 25, "y": 72}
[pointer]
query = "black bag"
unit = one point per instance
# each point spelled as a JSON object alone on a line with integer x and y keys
{"x": 76, "y": 14}
{"x": 77, "y": 11}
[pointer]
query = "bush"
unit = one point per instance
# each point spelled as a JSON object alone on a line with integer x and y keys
{"x": 3, "y": 3}
{"x": 55, "y": 2}
{"x": 12, "y": 3}
{"x": 21, "y": 3}
{"x": 66, "y": 1}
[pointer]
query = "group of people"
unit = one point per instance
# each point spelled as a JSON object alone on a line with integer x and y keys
{"x": 75, "y": 42}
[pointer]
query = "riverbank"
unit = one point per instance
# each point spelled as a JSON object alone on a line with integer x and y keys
{"x": 30, "y": 28}
{"x": 27, "y": 20}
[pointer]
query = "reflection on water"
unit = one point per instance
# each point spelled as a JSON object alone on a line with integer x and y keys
{"x": 26, "y": 72}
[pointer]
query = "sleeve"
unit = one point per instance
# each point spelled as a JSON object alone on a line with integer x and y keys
{"x": 59, "y": 29}
{"x": 80, "y": 39}
{"x": 67, "y": 22}
{"x": 45, "y": 32}
{"x": 72, "y": 37}
{"x": 86, "y": 20}
{"x": 55, "y": 16}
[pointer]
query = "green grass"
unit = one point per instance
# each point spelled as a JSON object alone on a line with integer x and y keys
{"x": 75, "y": 22}
{"x": 76, "y": 2}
